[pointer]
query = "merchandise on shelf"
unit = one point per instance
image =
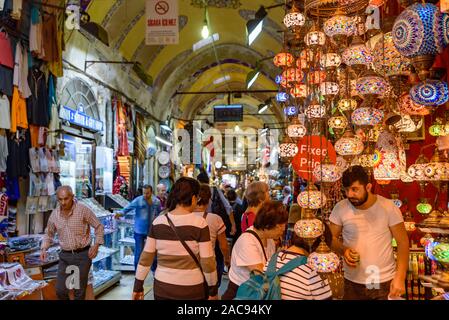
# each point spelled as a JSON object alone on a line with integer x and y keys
{"x": 14, "y": 280}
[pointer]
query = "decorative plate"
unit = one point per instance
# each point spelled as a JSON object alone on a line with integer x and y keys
{"x": 164, "y": 172}
{"x": 163, "y": 157}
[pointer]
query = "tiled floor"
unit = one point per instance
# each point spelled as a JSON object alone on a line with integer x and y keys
{"x": 123, "y": 290}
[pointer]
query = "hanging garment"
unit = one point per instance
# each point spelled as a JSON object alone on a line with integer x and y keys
{"x": 3, "y": 205}
{"x": 18, "y": 112}
{"x": 50, "y": 184}
{"x": 43, "y": 163}
{"x": 6, "y": 75}
{"x": 37, "y": 103}
{"x": 16, "y": 13}
{"x": 6, "y": 58}
{"x": 50, "y": 160}
{"x": 12, "y": 189}
{"x": 51, "y": 96}
{"x": 122, "y": 133}
{"x": 140, "y": 143}
{"x": 5, "y": 115}
{"x": 34, "y": 160}
{"x": 18, "y": 162}
{"x": 52, "y": 140}
{"x": 35, "y": 186}
{"x": 42, "y": 137}
{"x": 3, "y": 150}
{"x": 21, "y": 71}
{"x": 49, "y": 33}
{"x": 34, "y": 133}
{"x": 57, "y": 166}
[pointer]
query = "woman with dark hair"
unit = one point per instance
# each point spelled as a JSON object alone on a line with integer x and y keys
{"x": 177, "y": 276}
{"x": 256, "y": 246}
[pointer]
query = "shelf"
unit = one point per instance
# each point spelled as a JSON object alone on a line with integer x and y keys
{"x": 430, "y": 282}
{"x": 103, "y": 254}
{"x": 129, "y": 241}
{"x": 125, "y": 267}
{"x": 425, "y": 228}
{"x": 100, "y": 287}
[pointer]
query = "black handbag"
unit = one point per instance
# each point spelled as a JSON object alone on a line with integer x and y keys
{"x": 205, "y": 285}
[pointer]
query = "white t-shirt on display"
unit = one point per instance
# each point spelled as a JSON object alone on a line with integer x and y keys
{"x": 5, "y": 118}
{"x": 368, "y": 232}
{"x": 247, "y": 251}
{"x": 216, "y": 226}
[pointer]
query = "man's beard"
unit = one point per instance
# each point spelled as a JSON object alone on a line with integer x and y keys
{"x": 359, "y": 202}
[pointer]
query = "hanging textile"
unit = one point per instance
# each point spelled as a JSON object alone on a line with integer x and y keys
{"x": 21, "y": 71}
{"x": 18, "y": 111}
{"x": 3, "y": 150}
{"x": 122, "y": 130}
{"x": 36, "y": 36}
{"x": 37, "y": 103}
{"x": 18, "y": 161}
{"x": 140, "y": 142}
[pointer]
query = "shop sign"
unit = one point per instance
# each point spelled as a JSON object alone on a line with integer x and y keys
{"x": 79, "y": 118}
{"x": 162, "y": 22}
{"x": 228, "y": 113}
{"x": 312, "y": 150}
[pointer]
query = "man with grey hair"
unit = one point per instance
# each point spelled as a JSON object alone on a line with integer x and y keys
{"x": 162, "y": 194}
{"x": 72, "y": 222}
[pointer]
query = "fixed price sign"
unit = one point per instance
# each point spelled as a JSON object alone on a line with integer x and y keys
{"x": 312, "y": 150}
{"x": 162, "y": 22}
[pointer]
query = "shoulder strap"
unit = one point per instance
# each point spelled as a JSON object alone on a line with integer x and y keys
{"x": 205, "y": 215}
{"x": 260, "y": 241}
{"x": 292, "y": 264}
{"x": 271, "y": 268}
{"x": 190, "y": 252}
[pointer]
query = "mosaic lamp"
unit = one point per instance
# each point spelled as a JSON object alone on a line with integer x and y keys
{"x": 309, "y": 227}
{"x": 408, "y": 125}
{"x": 323, "y": 260}
{"x": 342, "y": 164}
{"x": 437, "y": 169}
{"x": 438, "y": 130}
{"x": 327, "y": 172}
{"x": 340, "y": 26}
{"x": 347, "y": 105}
{"x": 287, "y": 149}
{"x": 306, "y": 59}
{"x": 329, "y": 89}
{"x": 441, "y": 252}
{"x": 430, "y": 93}
{"x": 316, "y": 77}
{"x": 371, "y": 85}
{"x": 292, "y": 76}
{"x": 409, "y": 107}
{"x": 409, "y": 223}
{"x": 390, "y": 159}
{"x": 357, "y": 55}
{"x": 294, "y": 19}
{"x": 424, "y": 207}
{"x": 315, "y": 110}
{"x": 290, "y": 111}
{"x": 299, "y": 90}
{"x": 416, "y": 170}
{"x": 420, "y": 33}
{"x": 315, "y": 37}
{"x": 367, "y": 116}
{"x": 311, "y": 198}
{"x": 387, "y": 59}
{"x": 330, "y": 60}
{"x": 282, "y": 97}
{"x": 365, "y": 160}
{"x": 338, "y": 122}
{"x": 283, "y": 59}
{"x": 296, "y": 129}
{"x": 349, "y": 145}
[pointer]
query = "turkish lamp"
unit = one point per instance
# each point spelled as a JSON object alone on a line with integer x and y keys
{"x": 395, "y": 199}
{"x": 323, "y": 260}
{"x": 424, "y": 207}
{"x": 327, "y": 172}
{"x": 309, "y": 227}
{"x": 409, "y": 223}
{"x": 294, "y": 19}
{"x": 311, "y": 198}
{"x": 315, "y": 37}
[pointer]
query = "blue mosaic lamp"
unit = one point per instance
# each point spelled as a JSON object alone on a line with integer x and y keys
{"x": 420, "y": 33}
{"x": 430, "y": 93}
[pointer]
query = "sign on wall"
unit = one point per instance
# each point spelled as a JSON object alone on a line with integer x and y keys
{"x": 162, "y": 23}
{"x": 79, "y": 118}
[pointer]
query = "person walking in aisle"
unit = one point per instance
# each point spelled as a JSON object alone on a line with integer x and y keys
{"x": 162, "y": 195}
{"x": 368, "y": 223}
{"x": 217, "y": 228}
{"x": 181, "y": 240}
{"x": 255, "y": 247}
{"x": 146, "y": 208}
{"x": 72, "y": 221}
{"x": 256, "y": 194}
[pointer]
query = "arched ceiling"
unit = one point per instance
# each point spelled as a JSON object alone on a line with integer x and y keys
{"x": 178, "y": 68}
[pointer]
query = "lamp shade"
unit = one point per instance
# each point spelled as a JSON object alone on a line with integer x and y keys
{"x": 290, "y": 111}
{"x": 283, "y": 59}
{"x": 340, "y": 25}
{"x": 310, "y": 228}
{"x": 316, "y": 77}
{"x": 296, "y": 130}
{"x": 306, "y": 59}
{"x": 329, "y": 88}
{"x": 430, "y": 93}
{"x": 288, "y": 150}
{"x": 299, "y": 91}
{"x": 338, "y": 122}
{"x": 420, "y": 30}
{"x": 292, "y": 76}
{"x": 441, "y": 252}
{"x": 349, "y": 145}
{"x": 357, "y": 54}
{"x": 387, "y": 59}
{"x": 367, "y": 116}
{"x": 410, "y": 107}
{"x": 389, "y": 159}
{"x": 315, "y": 38}
{"x": 347, "y": 104}
{"x": 294, "y": 18}
{"x": 323, "y": 260}
{"x": 327, "y": 172}
{"x": 371, "y": 85}
{"x": 282, "y": 97}
{"x": 330, "y": 60}
{"x": 315, "y": 111}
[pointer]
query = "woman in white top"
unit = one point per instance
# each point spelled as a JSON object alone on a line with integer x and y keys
{"x": 256, "y": 246}
{"x": 216, "y": 225}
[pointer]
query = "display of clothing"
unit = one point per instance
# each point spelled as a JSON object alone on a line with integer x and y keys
{"x": 20, "y": 79}
{"x": 19, "y": 117}
{"x": 5, "y": 118}
{"x": 37, "y": 103}
{"x": 16, "y": 13}
{"x": 18, "y": 161}
{"x": 49, "y": 34}
{"x": 52, "y": 140}
{"x": 6, "y": 58}
{"x": 43, "y": 163}
{"x": 6, "y": 75}
{"x": 34, "y": 160}
{"x": 3, "y": 150}
{"x": 12, "y": 189}
{"x": 122, "y": 129}
{"x": 36, "y": 38}
{"x": 3, "y": 205}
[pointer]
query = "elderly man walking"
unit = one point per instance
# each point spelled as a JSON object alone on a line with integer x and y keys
{"x": 71, "y": 221}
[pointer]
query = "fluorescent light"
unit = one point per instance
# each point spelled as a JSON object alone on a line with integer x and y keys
{"x": 199, "y": 131}
{"x": 236, "y": 128}
{"x": 165, "y": 127}
{"x": 205, "y": 31}
{"x": 222, "y": 79}
{"x": 262, "y": 109}
{"x": 204, "y": 42}
{"x": 164, "y": 141}
{"x": 252, "y": 77}
{"x": 264, "y": 130}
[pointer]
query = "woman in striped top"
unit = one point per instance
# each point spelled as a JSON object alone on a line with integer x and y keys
{"x": 177, "y": 276}
{"x": 302, "y": 283}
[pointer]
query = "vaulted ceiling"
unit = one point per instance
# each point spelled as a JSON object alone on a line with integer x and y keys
{"x": 178, "y": 68}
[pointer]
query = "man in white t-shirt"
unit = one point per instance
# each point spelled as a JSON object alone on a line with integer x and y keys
{"x": 368, "y": 223}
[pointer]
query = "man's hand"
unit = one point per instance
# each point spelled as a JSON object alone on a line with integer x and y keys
{"x": 233, "y": 229}
{"x": 93, "y": 251}
{"x": 44, "y": 255}
{"x": 351, "y": 257}
{"x": 397, "y": 287}
{"x": 138, "y": 296}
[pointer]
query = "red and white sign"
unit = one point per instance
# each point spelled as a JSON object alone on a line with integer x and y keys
{"x": 162, "y": 23}
{"x": 312, "y": 150}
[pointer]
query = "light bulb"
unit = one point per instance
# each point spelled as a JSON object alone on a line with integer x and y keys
{"x": 205, "y": 31}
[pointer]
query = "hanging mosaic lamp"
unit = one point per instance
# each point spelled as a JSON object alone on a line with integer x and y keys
{"x": 306, "y": 59}
{"x": 347, "y": 105}
{"x": 329, "y": 89}
{"x": 283, "y": 59}
{"x": 395, "y": 199}
{"x": 410, "y": 107}
{"x": 357, "y": 55}
{"x": 330, "y": 60}
{"x": 424, "y": 207}
{"x": 387, "y": 59}
{"x": 407, "y": 125}
{"x": 299, "y": 91}
{"x": 338, "y": 122}
{"x": 316, "y": 77}
{"x": 430, "y": 93}
{"x": 311, "y": 198}
{"x": 371, "y": 85}
{"x": 323, "y": 260}
{"x": 390, "y": 159}
{"x": 327, "y": 172}
{"x": 441, "y": 252}
{"x": 315, "y": 37}
{"x": 294, "y": 19}
{"x": 290, "y": 111}
{"x": 437, "y": 169}
{"x": 287, "y": 150}
{"x": 340, "y": 26}
{"x": 365, "y": 160}
{"x": 410, "y": 225}
{"x": 282, "y": 96}
{"x": 367, "y": 116}
{"x": 342, "y": 164}
{"x": 420, "y": 33}
{"x": 416, "y": 170}
{"x": 296, "y": 129}
{"x": 309, "y": 227}
{"x": 315, "y": 110}
{"x": 292, "y": 76}
{"x": 349, "y": 145}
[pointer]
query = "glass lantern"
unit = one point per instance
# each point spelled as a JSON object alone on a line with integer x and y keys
{"x": 323, "y": 260}
{"x": 283, "y": 59}
{"x": 294, "y": 18}
{"x": 367, "y": 116}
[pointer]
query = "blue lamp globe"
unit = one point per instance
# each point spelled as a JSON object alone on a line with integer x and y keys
{"x": 282, "y": 97}
{"x": 430, "y": 93}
